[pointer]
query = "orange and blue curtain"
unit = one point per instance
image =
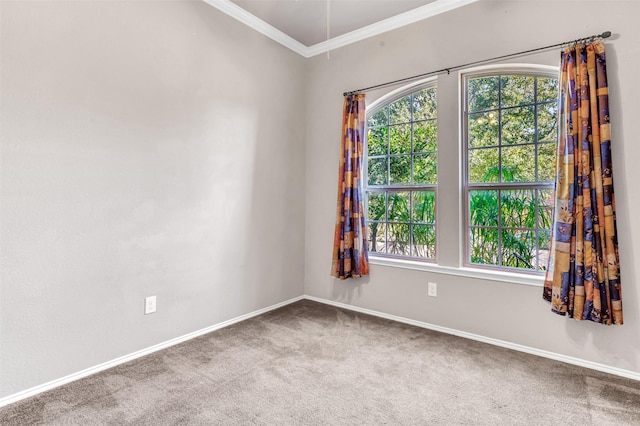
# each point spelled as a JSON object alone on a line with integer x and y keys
{"x": 350, "y": 258}
{"x": 583, "y": 277}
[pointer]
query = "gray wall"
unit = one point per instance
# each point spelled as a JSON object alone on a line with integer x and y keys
{"x": 512, "y": 312}
{"x": 148, "y": 148}
{"x": 161, "y": 148}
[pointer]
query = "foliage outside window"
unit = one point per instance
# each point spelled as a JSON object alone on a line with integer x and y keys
{"x": 510, "y": 134}
{"x": 402, "y": 176}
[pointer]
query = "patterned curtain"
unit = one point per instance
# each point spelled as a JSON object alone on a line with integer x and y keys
{"x": 583, "y": 276}
{"x": 350, "y": 258}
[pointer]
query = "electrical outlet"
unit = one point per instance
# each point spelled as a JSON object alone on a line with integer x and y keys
{"x": 149, "y": 305}
{"x": 433, "y": 290}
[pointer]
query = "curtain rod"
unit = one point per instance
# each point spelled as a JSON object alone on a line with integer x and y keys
{"x": 592, "y": 38}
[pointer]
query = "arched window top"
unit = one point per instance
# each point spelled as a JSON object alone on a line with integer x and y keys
{"x": 399, "y": 93}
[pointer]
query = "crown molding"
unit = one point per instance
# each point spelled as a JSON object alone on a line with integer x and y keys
{"x": 432, "y": 9}
{"x": 418, "y": 14}
{"x": 259, "y": 25}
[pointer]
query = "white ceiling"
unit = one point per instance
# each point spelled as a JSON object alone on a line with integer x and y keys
{"x": 306, "y": 20}
{"x": 301, "y": 25}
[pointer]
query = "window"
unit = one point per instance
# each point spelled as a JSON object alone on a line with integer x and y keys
{"x": 495, "y": 190}
{"x": 510, "y": 132}
{"x": 401, "y": 175}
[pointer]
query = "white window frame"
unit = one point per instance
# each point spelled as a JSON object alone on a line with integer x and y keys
{"x": 372, "y": 109}
{"x": 455, "y": 253}
{"x": 490, "y": 71}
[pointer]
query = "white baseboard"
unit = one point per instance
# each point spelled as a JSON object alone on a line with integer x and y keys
{"x": 109, "y": 364}
{"x": 496, "y": 342}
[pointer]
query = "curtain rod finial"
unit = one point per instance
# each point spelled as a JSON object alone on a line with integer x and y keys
{"x": 606, "y": 34}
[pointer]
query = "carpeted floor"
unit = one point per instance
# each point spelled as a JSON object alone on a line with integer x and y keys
{"x": 314, "y": 364}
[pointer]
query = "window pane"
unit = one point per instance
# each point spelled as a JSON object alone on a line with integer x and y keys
{"x": 376, "y": 206}
{"x": 377, "y": 143}
{"x": 400, "y": 139}
{"x": 518, "y": 248}
{"x": 483, "y": 165}
{"x": 483, "y": 129}
{"x": 400, "y": 170}
{"x": 398, "y": 206}
{"x": 400, "y": 111}
{"x": 425, "y": 168}
{"x": 379, "y": 118}
{"x": 547, "y": 162}
{"x": 547, "y": 89}
{"x": 517, "y": 90}
{"x": 548, "y": 123}
{"x": 483, "y": 245}
{"x": 544, "y": 245}
{"x": 398, "y": 239}
{"x": 483, "y": 208}
{"x": 377, "y": 171}
{"x": 518, "y": 125}
{"x": 545, "y": 208}
{"x": 518, "y": 163}
{"x": 424, "y": 104}
{"x": 376, "y": 237}
{"x": 423, "y": 207}
{"x": 423, "y": 241}
{"x": 483, "y": 93}
{"x": 518, "y": 208}
{"x": 425, "y": 136}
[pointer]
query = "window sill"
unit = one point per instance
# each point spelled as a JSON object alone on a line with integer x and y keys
{"x": 485, "y": 274}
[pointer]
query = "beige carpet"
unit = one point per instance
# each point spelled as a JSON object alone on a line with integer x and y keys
{"x": 313, "y": 364}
